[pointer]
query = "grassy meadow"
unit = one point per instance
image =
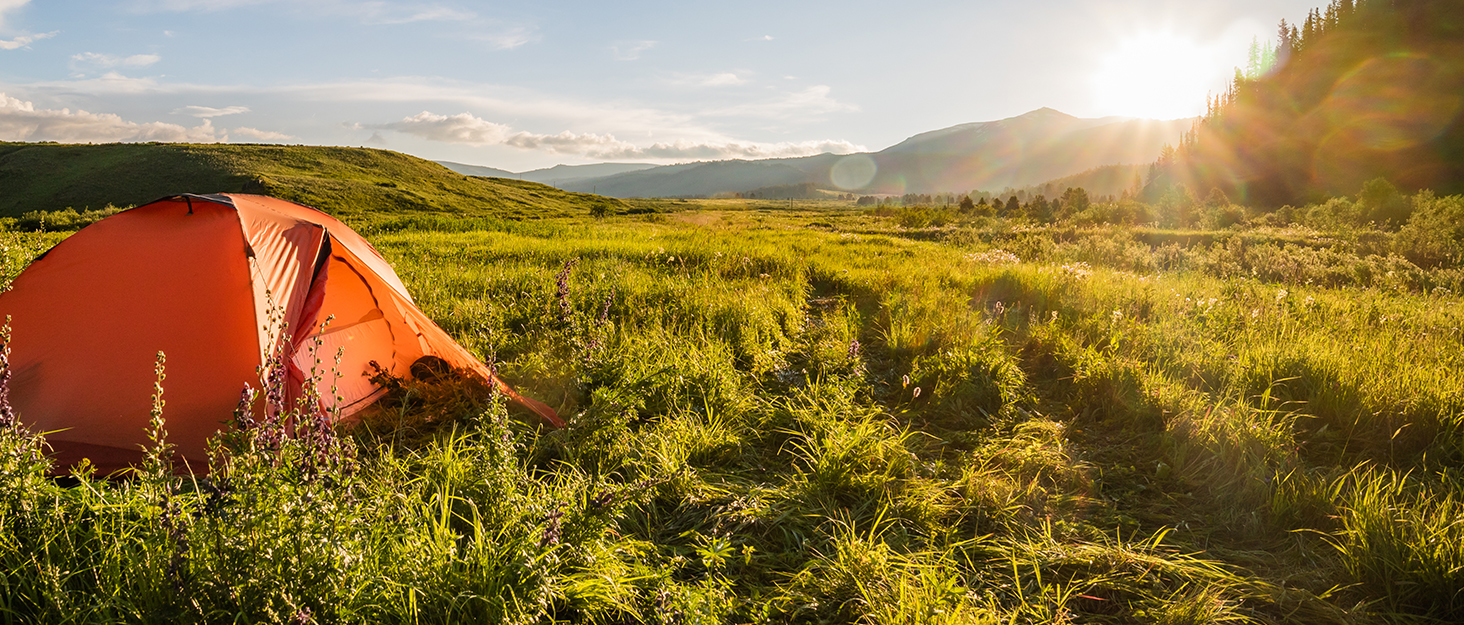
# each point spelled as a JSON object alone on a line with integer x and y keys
{"x": 805, "y": 412}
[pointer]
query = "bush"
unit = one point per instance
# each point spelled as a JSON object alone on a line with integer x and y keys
{"x": 1434, "y": 235}
{"x": 1383, "y": 205}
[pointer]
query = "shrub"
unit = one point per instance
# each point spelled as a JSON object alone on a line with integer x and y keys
{"x": 1434, "y": 234}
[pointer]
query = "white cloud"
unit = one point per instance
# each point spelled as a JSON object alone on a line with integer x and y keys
{"x": 207, "y": 111}
{"x": 466, "y": 128}
{"x": 376, "y": 12}
{"x": 262, "y": 135}
{"x": 460, "y": 128}
{"x": 631, "y": 50}
{"x": 22, "y": 121}
{"x": 7, "y": 6}
{"x": 193, "y": 5}
{"x": 684, "y": 132}
{"x": 508, "y": 39}
{"x": 107, "y": 61}
{"x": 687, "y": 150}
{"x": 390, "y": 13}
{"x": 722, "y": 79}
{"x": 25, "y": 40}
{"x": 767, "y": 37}
{"x": 811, "y": 102}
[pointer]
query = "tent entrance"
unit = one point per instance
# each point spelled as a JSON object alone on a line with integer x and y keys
{"x": 359, "y": 332}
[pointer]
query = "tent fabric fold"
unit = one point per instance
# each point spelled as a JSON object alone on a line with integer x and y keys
{"x": 215, "y": 282}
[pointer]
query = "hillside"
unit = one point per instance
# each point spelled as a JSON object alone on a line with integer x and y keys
{"x": 1021, "y": 151}
{"x": 1360, "y": 91}
{"x": 341, "y": 181}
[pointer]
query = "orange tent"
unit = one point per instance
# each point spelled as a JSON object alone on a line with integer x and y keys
{"x": 210, "y": 280}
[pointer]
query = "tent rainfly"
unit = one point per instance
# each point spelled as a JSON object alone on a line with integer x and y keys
{"x": 210, "y": 280}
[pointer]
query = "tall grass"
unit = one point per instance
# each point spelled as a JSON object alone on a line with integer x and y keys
{"x": 864, "y": 422}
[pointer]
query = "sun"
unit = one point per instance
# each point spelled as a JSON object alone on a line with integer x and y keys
{"x": 1156, "y": 75}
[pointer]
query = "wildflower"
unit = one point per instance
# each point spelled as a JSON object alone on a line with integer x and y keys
{"x": 853, "y": 349}
{"x": 552, "y": 530}
{"x": 1280, "y": 295}
{"x": 605, "y": 309}
{"x": 906, "y": 382}
{"x": 995, "y": 257}
{"x": 244, "y": 410}
{"x": 1117, "y": 315}
{"x": 562, "y": 290}
{"x": 917, "y": 393}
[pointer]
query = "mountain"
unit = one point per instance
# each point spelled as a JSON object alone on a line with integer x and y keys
{"x": 477, "y": 170}
{"x": 560, "y": 175}
{"x": 557, "y": 175}
{"x": 1016, "y": 152}
{"x": 1099, "y": 181}
{"x": 705, "y": 179}
{"x": 341, "y": 181}
{"x": 1020, "y": 151}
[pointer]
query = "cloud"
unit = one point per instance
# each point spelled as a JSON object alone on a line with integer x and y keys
{"x": 7, "y": 6}
{"x": 723, "y": 79}
{"x": 193, "y": 5}
{"x": 631, "y": 50}
{"x": 687, "y": 150}
{"x": 508, "y": 39}
{"x": 262, "y": 135}
{"x": 388, "y": 13}
{"x": 22, "y": 121}
{"x": 206, "y": 111}
{"x": 107, "y": 61}
{"x": 460, "y": 128}
{"x": 466, "y": 128}
{"x": 374, "y": 12}
{"x": 811, "y": 102}
{"x": 25, "y": 40}
{"x": 685, "y": 132}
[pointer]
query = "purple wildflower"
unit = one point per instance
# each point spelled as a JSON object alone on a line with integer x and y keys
{"x": 552, "y": 528}
{"x": 604, "y": 317}
{"x": 562, "y": 292}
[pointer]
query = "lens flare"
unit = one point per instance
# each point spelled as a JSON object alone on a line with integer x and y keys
{"x": 1392, "y": 103}
{"x": 855, "y": 171}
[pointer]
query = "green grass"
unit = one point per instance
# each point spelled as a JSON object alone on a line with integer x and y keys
{"x": 804, "y": 413}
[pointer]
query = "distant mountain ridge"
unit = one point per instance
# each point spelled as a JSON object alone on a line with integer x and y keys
{"x": 1017, "y": 152}
{"x": 554, "y": 176}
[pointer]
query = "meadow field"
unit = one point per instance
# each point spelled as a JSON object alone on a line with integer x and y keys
{"x": 810, "y": 412}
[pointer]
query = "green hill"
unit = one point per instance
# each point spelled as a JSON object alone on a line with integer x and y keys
{"x": 339, "y": 180}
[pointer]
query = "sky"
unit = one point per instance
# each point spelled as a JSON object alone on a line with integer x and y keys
{"x": 521, "y": 86}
